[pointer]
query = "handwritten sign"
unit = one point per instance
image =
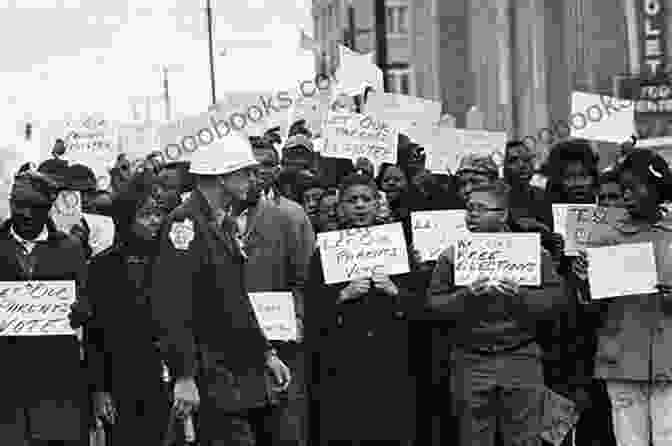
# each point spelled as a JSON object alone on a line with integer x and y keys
{"x": 559, "y": 416}
{"x": 591, "y": 225}
{"x": 352, "y": 136}
{"x": 276, "y": 314}
{"x": 36, "y": 308}
{"x": 102, "y": 232}
{"x": 435, "y": 231}
{"x": 590, "y": 121}
{"x": 67, "y": 210}
{"x": 403, "y": 111}
{"x": 622, "y": 270}
{"x": 560, "y": 218}
{"x": 498, "y": 256}
{"x": 359, "y": 252}
{"x": 313, "y": 109}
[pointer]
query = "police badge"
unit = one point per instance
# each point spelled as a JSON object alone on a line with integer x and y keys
{"x": 182, "y": 234}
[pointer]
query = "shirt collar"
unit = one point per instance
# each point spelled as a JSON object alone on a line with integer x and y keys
{"x": 43, "y": 236}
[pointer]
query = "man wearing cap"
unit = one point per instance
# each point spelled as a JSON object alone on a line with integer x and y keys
{"x": 207, "y": 327}
{"x": 475, "y": 170}
{"x": 44, "y": 400}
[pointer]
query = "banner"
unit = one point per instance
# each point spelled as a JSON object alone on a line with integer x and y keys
{"x": 402, "y": 111}
{"x": 36, "y": 308}
{"x": 498, "y": 255}
{"x": 436, "y": 231}
{"x": 622, "y": 270}
{"x": 359, "y": 252}
{"x": 560, "y": 219}
{"x": 351, "y": 136}
{"x": 276, "y": 314}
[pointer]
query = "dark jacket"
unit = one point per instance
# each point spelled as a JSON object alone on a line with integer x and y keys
{"x": 206, "y": 323}
{"x": 44, "y": 371}
{"x": 364, "y": 383}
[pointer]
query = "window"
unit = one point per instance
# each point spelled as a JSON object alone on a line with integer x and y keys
{"x": 397, "y": 20}
{"x": 399, "y": 81}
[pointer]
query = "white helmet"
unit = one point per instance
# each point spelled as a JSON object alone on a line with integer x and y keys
{"x": 223, "y": 156}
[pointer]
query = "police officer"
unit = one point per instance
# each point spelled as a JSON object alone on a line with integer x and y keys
{"x": 213, "y": 344}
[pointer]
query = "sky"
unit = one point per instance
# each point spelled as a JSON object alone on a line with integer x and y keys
{"x": 87, "y": 56}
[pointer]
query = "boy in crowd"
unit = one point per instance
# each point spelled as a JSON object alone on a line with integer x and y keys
{"x": 498, "y": 381}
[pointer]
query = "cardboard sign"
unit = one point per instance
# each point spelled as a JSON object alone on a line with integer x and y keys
{"x": 559, "y": 416}
{"x": 601, "y": 118}
{"x": 402, "y": 111}
{"x": 353, "y": 136}
{"x": 436, "y": 231}
{"x": 356, "y": 72}
{"x": 276, "y": 315}
{"x": 622, "y": 270}
{"x": 587, "y": 226}
{"x": 560, "y": 218}
{"x": 67, "y": 210}
{"x": 102, "y": 232}
{"x": 359, "y": 252}
{"x": 313, "y": 109}
{"x": 38, "y": 308}
{"x": 498, "y": 256}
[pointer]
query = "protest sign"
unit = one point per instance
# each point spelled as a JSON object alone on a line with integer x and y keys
{"x": 313, "y": 109}
{"x": 560, "y": 218}
{"x": 435, "y": 231}
{"x": 591, "y": 225}
{"x": 622, "y": 270}
{"x": 276, "y": 314}
{"x": 356, "y": 72}
{"x": 601, "y": 118}
{"x": 359, "y": 252}
{"x": 559, "y": 416}
{"x": 351, "y": 136}
{"x": 403, "y": 111}
{"x": 36, "y": 308}
{"x": 498, "y": 256}
{"x": 91, "y": 139}
{"x": 67, "y": 210}
{"x": 102, "y": 232}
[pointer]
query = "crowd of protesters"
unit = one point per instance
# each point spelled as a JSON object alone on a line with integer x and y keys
{"x": 170, "y": 338}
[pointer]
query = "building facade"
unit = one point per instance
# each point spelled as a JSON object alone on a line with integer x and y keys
{"x": 517, "y": 61}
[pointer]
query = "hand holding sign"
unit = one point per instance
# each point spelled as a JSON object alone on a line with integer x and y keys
{"x": 383, "y": 283}
{"x": 355, "y": 289}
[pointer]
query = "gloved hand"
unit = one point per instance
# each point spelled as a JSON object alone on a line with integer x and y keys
{"x": 80, "y": 312}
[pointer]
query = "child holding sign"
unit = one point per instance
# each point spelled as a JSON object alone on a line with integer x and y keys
{"x": 634, "y": 341}
{"x": 496, "y": 360}
{"x": 359, "y": 339}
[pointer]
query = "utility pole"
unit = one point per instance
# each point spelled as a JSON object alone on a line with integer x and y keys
{"x": 208, "y": 11}
{"x": 166, "y": 96}
{"x": 380, "y": 14}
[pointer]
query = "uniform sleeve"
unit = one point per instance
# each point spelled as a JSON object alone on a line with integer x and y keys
{"x": 172, "y": 297}
{"x": 301, "y": 246}
{"x": 443, "y": 296}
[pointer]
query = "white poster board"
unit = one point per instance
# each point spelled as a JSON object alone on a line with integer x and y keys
{"x": 359, "y": 252}
{"x": 560, "y": 217}
{"x": 498, "y": 256}
{"x": 353, "y": 136}
{"x": 436, "y": 231}
{"x": 622, "y": 270}
{"x": 601, "y": 118}
{"x": 402, "y": 111}
{"x": 276, "y": 314}
{"x": 36, "y": 308}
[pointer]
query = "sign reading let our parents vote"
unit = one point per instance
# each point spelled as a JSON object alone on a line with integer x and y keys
{"x": 498, "y": 256}
{"x": 359, "y": 252}
{"x": 36, "y": 308}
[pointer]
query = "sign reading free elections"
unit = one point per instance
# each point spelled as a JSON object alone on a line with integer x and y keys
{"x": 498, "y": 256}
{"x": 359, "y": 252}
{"x": 36, "y": 308}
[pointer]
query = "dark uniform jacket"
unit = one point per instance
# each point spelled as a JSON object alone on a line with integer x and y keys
{"x": 206, "y": 323}
{"x": 364, "y": 383}
{"x": 43, "y": 375}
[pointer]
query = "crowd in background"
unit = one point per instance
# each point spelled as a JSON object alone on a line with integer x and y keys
{"x": 407, "y": 359}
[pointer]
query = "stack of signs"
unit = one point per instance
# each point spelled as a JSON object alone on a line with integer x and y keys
{"x": 36, "y": 308}
{"x": 276, "y": 315}
{"x": 353, "y": 136}
{"x": 402, "y": 111}
{"x": 66, "y": 211}
{"x": 436, "y": 231}
{"x": 498, "y": 256}
{"x": 635, "y": 264}
{"x": 360, "y": 252}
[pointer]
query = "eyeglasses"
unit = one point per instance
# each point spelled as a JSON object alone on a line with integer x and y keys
{"x": 480, "y": 209}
